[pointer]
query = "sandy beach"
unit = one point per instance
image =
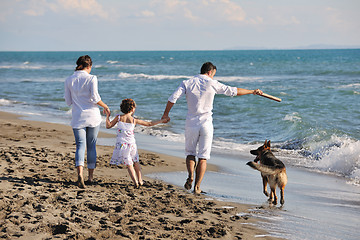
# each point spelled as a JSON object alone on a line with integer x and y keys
{"x": 40, "y": 200}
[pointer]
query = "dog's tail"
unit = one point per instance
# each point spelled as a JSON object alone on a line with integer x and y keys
{"x": 265, "y": 168}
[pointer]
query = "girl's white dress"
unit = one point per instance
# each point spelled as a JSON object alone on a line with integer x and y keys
{"x": 125, "y": 151}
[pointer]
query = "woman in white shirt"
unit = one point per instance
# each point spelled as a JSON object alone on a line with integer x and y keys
{"x": 81, "y": 92}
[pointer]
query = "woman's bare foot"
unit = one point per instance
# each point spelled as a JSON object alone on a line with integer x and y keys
{"x": 80, "y": 182}
{"x": 90, "y": 182}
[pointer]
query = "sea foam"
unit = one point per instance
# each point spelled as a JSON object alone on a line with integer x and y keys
{"x": 342, "y": 158}
{"x": 125, "y": 75}
{"x": 5, "y": 102}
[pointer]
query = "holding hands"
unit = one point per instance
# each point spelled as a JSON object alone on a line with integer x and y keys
{"x": 128, "y": 111}
{"x": 165, "y": 119}
{"x": 107, "y": 111}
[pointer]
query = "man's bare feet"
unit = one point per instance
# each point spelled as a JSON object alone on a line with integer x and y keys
{"x": 197, "y": 190}
{"x": 188, "y": 184}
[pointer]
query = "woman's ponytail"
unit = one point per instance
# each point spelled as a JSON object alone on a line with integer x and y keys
{"x": 83, "y": 62}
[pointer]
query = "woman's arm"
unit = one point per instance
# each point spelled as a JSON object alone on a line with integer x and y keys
{"x": 106, "y": 108}
{"x": 67, "y": 95}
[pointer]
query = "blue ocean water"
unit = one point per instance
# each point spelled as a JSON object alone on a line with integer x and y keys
{"x": 315, "y": 130}
{"x": 316, "y": 126}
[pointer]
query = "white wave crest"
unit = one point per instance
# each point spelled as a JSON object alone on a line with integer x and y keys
{"x": 226, "y": 145}
{"x": 353, "y": 85}
{"x": 5, "y": 102}
{"x": 237, "y": 79}
{"x": 293, "y": 117}
{"x": 342, "y": 158}
{"x": 112, "y": 62}
{"x": 124, "y": 75}
{"x": 161, "y": 133}
{"x": 23, "y": 66}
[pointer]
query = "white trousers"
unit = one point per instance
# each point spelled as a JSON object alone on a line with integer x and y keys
{"x": 200, "y": 137}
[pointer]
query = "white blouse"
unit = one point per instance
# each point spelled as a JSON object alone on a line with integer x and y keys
{"x": 81, "y": 92}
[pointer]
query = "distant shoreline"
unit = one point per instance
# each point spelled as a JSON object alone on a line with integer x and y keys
{"x": 204, "y": 50}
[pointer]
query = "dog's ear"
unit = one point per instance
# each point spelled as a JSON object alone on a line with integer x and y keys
{"x": 268, "y": 144}
{"x": 265, "y": 143}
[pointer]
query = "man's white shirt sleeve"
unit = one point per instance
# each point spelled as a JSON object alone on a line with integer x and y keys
{"x": 179, "y": 92}
{"x": 221, "y": 88}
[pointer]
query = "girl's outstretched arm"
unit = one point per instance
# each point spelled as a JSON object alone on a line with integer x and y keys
{"x": 112, "y": 123}
{"x": 149, "y": 124}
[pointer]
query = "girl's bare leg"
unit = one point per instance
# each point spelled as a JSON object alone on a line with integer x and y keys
{"x": 138, "y": 173}
{"x": 132, "y": 174}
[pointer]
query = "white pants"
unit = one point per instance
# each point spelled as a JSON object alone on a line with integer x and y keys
{"x": 200, "y": 136}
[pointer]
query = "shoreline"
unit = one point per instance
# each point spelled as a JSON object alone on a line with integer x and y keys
{"x": 39, "y": 197}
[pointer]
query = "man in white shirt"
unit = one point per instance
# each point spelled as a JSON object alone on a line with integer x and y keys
{"x": 200, "y": 91}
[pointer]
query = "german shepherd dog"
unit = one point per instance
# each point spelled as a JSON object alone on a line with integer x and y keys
{"x": 272, "y": 170}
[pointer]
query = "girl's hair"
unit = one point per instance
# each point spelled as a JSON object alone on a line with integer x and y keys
{"x": 127, "y": 105}
{"x": 83, "y": 62}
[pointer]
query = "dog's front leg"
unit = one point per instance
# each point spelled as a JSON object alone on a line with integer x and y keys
{"x": 265, "y": 182}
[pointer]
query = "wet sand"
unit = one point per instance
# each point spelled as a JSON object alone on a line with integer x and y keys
{"x": 39, "y": 198}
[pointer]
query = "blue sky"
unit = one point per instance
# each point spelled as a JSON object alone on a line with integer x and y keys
{"x": 110, "y": 25}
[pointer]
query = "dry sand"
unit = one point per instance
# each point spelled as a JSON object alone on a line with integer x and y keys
{"x": 39, "y": 198}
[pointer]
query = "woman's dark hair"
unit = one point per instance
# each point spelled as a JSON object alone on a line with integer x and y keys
{"x": 83, "y": 62}
{"x": 127, "y": 105}
{"x": 206, "y": 67}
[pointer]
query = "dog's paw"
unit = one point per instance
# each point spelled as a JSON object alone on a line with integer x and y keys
{"x": 251, "y": 164}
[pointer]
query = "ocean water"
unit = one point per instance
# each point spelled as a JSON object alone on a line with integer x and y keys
{"x": 317, "y": 205}
{"x": 316, "y": 126}
{"x": 315, "y": 130}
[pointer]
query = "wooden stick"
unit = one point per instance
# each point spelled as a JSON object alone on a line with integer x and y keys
{"x": 271, "y": 97}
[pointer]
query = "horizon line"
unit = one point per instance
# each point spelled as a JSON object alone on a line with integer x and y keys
{"x": 227, "y": 49}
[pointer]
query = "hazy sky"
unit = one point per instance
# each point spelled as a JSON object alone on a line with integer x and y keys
{"x": 78, "y": 25}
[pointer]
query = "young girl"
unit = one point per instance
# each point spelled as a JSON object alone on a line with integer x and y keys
{"x": 125, "y": 151}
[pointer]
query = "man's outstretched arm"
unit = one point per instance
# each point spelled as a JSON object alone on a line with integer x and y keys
{"x": 242, "y": 91}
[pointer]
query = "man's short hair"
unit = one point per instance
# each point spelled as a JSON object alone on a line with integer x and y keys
{"x": 206, "y": 67}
